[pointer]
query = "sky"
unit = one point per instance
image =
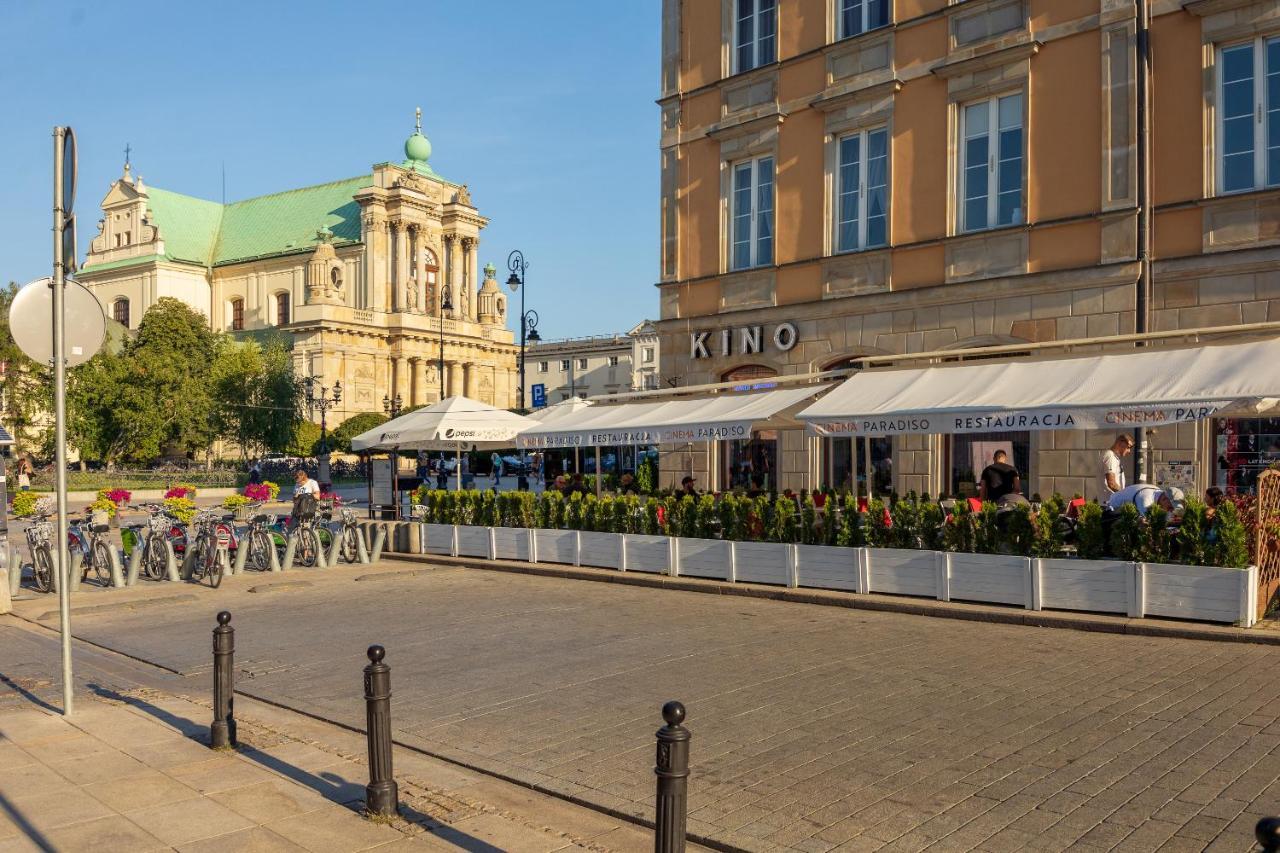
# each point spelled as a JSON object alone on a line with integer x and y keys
{"x": 546, "y": 110}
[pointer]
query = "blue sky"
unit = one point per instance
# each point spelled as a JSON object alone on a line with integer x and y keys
{"x": 545, "y": 109}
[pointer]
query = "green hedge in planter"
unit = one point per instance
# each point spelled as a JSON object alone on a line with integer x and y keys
{"x": 910, "y": 523}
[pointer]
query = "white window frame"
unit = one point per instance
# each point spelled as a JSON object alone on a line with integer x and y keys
{"x": 839, "y": 190}
{"x": 647, "y": 355}
{"x": 582, "y": 364}
{"x": 992, "y": 134}
{"x": 758, "y": 13}
{"x": 754, "y": 239}
{"x": 841, "y": 33}
{"x": 1261, "y": 143}
{"x": 564, "y": 364}
{"x": 543, "y": 366}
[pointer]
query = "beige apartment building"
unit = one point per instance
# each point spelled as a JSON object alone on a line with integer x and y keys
{"x": 595, "y": 365}
{"x": 371, "y": 279}
{"x": 853, "y": 178}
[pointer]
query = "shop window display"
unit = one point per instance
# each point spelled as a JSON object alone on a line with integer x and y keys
{"x": 1243, "y": 448}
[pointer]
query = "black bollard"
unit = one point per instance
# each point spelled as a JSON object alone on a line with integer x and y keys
{"x": 222, "y": 733}
{"x": 381, "y": 797}
{"x": 672, "y": 769}
{"x": 1268, "y": 834}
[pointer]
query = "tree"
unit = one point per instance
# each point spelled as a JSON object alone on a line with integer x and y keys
{"x": 28, "y": 388}
{"x": 306, "y": 436}
{"x": 256, "y": 395}
{"x": 340, "y": 438}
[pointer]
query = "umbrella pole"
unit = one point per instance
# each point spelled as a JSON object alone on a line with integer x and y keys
{"x": 866, "y": 455}
{"x": 459, "y": 468}
{"x": 599, "y": 473}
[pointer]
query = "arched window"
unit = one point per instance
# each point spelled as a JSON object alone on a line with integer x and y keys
{"x": 432, "y": 266}
{"x": 282, "y": 309}
{"x": 237, "y": 314}
{"x": 120, "y": 311}
{"x": 748, "y": 372}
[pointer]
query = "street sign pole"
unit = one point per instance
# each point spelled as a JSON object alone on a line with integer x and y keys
{"x": 59, "y": 284}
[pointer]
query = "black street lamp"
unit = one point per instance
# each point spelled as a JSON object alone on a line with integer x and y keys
{"x": 446, "y": 304}
{"x": 528, "y": 319}
{"x": 323, "y": 399}
{"x": 392, "y": 407}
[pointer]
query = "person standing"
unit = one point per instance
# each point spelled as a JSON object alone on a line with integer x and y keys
{"x": 255, "y": 472}
{"x": 495, "y": 459}
{"x": 999, "y": 479}
{"x": 1112, "y": 470}
{"x": 25, "y": 469}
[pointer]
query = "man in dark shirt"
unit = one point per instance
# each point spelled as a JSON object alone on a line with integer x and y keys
{"x": 999, "y": 479}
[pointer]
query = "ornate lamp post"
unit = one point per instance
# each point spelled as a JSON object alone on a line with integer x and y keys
{"x": 528, "y": 319}
{"x": 323, "y": 399}
{"x": 392, "y": 407}
{"x": 446, "y": 304}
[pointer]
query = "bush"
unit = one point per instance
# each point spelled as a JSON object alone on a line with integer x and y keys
{"x": 103, "y": 505}
{"x": 647, "y": 475}
{"x": 340, "y": 438}
{"x": 958, "y": 534}
{"x": 1155, "y": 540}
{"x": 24, "y": 503}
{"x": 1020, "y": 531}
{"x": 234, "y": 502}
{"x": 1091, "y": 541}
{"x": 1126, "y": 534}
{"x": 182, "y": 490}
{"x": 1230, "y": 547}
{"x": 181, "y": 508}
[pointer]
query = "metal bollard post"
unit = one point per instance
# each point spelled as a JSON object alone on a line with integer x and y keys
{"x": 381, "y": 796}
{"x": 672, "y": 769}
{"x": 222, "y": 733}
{"x": 1268, "y": 834}
{"x": 379, "y": 539}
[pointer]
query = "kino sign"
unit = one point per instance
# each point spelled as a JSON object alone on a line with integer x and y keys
{"x": 745, "y": 340}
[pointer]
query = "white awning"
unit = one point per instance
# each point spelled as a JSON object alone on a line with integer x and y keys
{"x": 451, "y": 424}
{"x": 669, "y": 421}
{"x": 1141, "y": 388}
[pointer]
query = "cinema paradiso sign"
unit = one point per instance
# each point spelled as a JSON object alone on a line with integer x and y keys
{"x": 743, "y": 340}
{"x": 920, "y": 423}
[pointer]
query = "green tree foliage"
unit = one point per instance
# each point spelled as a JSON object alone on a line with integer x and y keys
{"x": 306, "y": 436}
{"x": 27, "y": 388}
{"x": 340, "y": 438}
{"x": 1230, "y": 546}
{"x": 256, "y": 395}
{"x": 1126, "y": 534}
{"x": 1091, "y": 541}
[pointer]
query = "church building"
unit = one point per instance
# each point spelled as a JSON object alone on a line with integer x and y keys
{"x": 369, "y": 278}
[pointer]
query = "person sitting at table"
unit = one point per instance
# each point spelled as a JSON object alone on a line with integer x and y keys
{"x": 999, "y": 479}
{"x": 1212, "y": 499}
{"x": 627, "y": 484}
{"x": 1144, "y": 496}
{"x": 687, "y": 486}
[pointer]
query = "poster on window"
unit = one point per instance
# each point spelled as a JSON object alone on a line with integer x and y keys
{"x": 1181, "y": 474}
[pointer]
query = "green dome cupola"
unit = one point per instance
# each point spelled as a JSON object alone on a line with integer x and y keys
{"x": 417, "y": 148}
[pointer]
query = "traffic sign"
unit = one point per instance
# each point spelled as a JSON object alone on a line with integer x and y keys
{"x": 69, "y": 165}
{"x": 31, "y": 315}
{"x": 539, "y": 395}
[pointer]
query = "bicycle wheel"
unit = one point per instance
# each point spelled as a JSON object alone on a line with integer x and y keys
{"x": 259, "y": 546}
{"x": 42, "y": 568}
{"x": 102, "y": 562}
{"x": 308, "y": 546}
{"x": 155, "y": 559}
{"x": 213, "y": 571}
{"x": 197, "y": 555}
{"x": 349, "y": 550}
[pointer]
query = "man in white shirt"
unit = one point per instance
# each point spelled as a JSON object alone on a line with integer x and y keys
{"x": 1144, "y": 496}
{"x": 1112, "y": 471}
{"x": 304, "y": 485}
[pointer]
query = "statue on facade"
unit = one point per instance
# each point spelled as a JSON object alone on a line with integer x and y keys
{"x": 411, "y": 297}
{"x": 463, "y": 196}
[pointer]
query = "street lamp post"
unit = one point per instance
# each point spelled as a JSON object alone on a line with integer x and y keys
{"x": 528, "y": 319}
{"x": 323, "y": 399}
{"x": 392, "y": 407}
{"x": 446, "y": 304}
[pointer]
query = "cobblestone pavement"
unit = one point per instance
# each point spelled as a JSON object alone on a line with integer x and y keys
{"x": 814, "y": 728}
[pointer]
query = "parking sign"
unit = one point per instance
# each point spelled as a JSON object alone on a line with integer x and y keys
{"x": 539, "y": 396}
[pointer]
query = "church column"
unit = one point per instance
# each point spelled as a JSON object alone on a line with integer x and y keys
{"x": 455, "y": 379}
{"x": 472, "y": 373}
{"x": 456, "y": 283}
{"x": 446, "y": 266}
{"x": 402, "y": 266}
{"x": 473, "y": 272}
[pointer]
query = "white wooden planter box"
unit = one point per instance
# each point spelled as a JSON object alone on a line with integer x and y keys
{"x": 1100, "y": 586}
{"x": 1198, "y": 592}
{"x": 472, "y": 541}
{"x": 646, "y": 553}
{"x": 828, "y": 567}
{"x": 601, "y": 550}
{"x": 705, "y": 558}
{"x": 902, "y": 572}
{"x": 512, "y": 543}
{"x": 440, "y": 539}
{"x": 555, "y": 546}
{"x": 989, "y": 578}
{"x": 763, "y": 562}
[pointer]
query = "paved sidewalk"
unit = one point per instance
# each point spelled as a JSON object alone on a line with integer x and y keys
{"x": 131, "y": 771}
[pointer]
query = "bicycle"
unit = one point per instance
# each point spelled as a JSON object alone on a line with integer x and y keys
{"x": 211, "y": 546}
{"x": 38, "y": 535}
{"x": 155, "y": 556}
{"x": 260, "y": 539}
{"x": 92, "y": 542}
{"x": 348, "y": 536}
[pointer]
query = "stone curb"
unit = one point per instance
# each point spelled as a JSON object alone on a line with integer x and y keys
{"x": 876, "y": 601}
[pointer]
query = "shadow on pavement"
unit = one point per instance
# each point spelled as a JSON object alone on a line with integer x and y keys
{"x": 25, "y": 693}
{"x": 24, "y": 826}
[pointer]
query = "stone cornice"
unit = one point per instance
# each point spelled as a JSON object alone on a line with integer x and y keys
{"x": 994, "y": 59}
{"x": 1204, "y": 8}
{"x": 733, "y": 128}
{"x": 835, "y": 99}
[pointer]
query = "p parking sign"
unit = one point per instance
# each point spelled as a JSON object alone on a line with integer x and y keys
{"x": 539, "y": 395}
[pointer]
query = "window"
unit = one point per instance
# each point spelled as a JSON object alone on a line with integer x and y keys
{"x": 582, "y": 364}
{"x": 994, "y": 19}
{"x": 862, "y": 208}
{"x": 432, "y": 266}
{"x": 120, "y": 312}
{"x": 1249, "y": 106}
{"x": 752, "y": 224}
{"x": 991, "y": 177}
{"x": 543, "y": 366}
{"x": 564, "y": 364}
{"x": 613, "y": 361}
{"x": 1243, "y": 448}
{"x": 650, "y": 382}
{"x": 648, "y": 355}
{"x": 748, "y": 372}
{"x": 282, "y": 309}
{"x": 859, "y": 16}
{"x": 237, "y": 315}
{"x": 582, "y": 395}
{"x": 755, "y": 34}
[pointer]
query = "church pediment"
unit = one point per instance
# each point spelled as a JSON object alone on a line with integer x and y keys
{"x": 121, "y": 192}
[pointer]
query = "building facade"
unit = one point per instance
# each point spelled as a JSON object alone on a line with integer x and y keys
{"x": 596, "y": 366}
{"x": 853, "y": 178}
{"x": 373, "y": 279}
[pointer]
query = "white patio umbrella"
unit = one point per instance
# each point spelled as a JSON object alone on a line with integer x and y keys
{"x": 455, "y": 423}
